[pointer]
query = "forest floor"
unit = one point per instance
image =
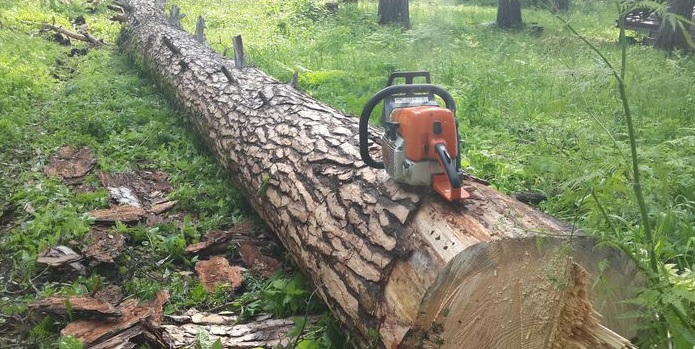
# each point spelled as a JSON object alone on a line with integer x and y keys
{"x": 110, "y": 207}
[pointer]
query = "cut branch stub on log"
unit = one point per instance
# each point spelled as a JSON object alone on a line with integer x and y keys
{"x": 239, "y": 55}
{"x": 388, "y": 258}
{"x": 199, "y": 29}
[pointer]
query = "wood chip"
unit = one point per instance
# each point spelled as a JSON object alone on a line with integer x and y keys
{"x": 162, "y": 206}
{"x": 75, "y": 305}
{"x": 217, "y": 271}
{"x": 119, "y": 213}
{"x": 143, "y": 188}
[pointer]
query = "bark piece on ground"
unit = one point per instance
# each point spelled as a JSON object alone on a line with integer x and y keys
{"x": 162, "y": 206}
{"x": 142, "y": 188}
{"x": 136, "y": 320}
{"x": 58, "y": 256}
{"x": 126, "y": 214}
{"x": 75, "y": 305}
{"x": 62, "y": 257}
{"x": 203, "y": 318}
{"x": 217, "y": 241}
{"x": 217, "y": 271}
{"x": 71, "y": 164}
{"x": 256, "y": 261}
{"x": 103, "y": 246}
{"x": 268, "y": 333}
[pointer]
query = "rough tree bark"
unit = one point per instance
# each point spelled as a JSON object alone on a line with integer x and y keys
{"x": 489, "y": 272}
{"x": 394, "y": 11}
{"x": 509, "y": 14}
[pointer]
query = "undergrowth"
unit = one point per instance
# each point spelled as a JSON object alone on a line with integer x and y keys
{"x": 538, "y": 112}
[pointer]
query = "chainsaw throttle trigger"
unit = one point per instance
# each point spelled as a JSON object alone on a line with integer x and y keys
{"x": 448, "y": 165}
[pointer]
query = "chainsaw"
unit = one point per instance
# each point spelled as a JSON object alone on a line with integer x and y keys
{"x": 420, "y": 144}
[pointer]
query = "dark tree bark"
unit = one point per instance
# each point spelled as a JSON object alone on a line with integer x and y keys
{"x": 509, "y": 14}
{"x": 673, "y": 34}
{"x": 394, "y": 12}
{"x": 400, "y": 262}
{"x": 562, "y": 5}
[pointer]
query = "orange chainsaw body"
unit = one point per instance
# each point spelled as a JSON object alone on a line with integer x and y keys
{"x": 422, "y": 128}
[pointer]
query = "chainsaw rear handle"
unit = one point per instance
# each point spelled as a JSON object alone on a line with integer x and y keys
{"x": 390, "y": 91}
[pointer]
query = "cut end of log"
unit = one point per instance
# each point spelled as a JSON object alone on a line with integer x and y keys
{"x": 501, "y": 287}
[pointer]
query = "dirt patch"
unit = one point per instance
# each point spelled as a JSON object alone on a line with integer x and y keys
{"x": 258, "y": 262}
{"x": 103, "y": 246}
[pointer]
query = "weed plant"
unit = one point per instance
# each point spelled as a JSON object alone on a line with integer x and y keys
{"x": 538, "y": 111}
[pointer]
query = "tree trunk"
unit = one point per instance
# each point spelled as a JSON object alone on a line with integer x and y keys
{"x": 394, "y": 11}
{"x": 509, "y": 14}
{"x": 673, "y": 34}
{"x": 562, "y": 5}
{"x": 397, "y": 262}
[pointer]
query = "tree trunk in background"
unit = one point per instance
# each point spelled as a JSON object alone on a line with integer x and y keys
{"x": 672, "y": 35}
{"x": 394, "y": 12}
{"x": 487, "y": 272}
{"x": 562, "y": 5}
{"x": 509, "y": 14}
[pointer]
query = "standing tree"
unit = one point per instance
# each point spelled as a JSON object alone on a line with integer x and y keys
{"x": 562, "y": 5}
{"x": 394, "y": 11}
{"x": 509, "y": 14}
{"x": 675, "y": 33}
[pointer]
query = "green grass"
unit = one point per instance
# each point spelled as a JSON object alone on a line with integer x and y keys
{"x": 537, "y": 112}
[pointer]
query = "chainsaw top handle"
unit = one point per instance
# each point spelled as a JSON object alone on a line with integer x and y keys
{"x": 404, "y": 89}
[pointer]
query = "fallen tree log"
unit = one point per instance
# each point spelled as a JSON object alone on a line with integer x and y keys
{"x": 487, "y": 272}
